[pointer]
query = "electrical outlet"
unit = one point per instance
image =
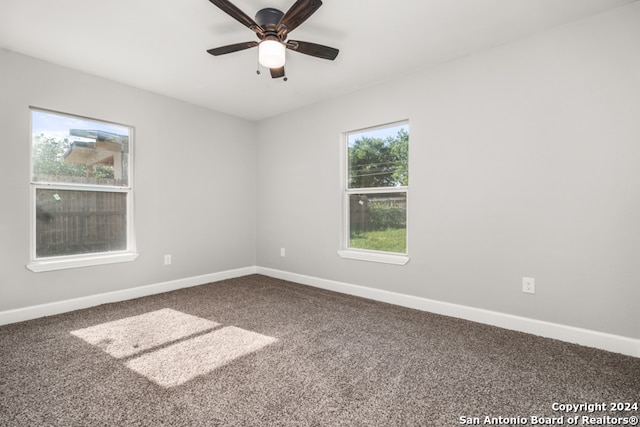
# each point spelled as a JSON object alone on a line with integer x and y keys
{"x": 282, "y": 252}
{"x": 528, "y": 285}
{"x": 167, "y": 260}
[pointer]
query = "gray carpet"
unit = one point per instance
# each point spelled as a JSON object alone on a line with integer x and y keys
{"x": 258, "y": 351}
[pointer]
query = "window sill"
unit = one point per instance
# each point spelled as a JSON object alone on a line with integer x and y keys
{"x": 77, "y": 262}
{"x": 385, "y": 258}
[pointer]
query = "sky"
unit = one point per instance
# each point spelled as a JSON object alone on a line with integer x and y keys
{"x": 380, "y": 132}
{"x": 58, "y": 125}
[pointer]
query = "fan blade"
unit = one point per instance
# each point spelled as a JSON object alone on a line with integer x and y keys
{"x": 223, "y": 50}
{"x": 231, "y": 10}
{"x": 277, "y": 72}
{"x": 296, "y": 15}
{"x": 313, "y": 49}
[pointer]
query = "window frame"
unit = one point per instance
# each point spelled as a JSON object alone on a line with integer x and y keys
{"x": 360, "y": 254}
{"x": 60, "y": 262}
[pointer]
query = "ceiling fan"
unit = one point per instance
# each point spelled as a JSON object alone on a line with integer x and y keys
{"x": 272, "y": 28}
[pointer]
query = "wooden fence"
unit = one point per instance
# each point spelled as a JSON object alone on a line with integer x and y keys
{"x": 72, "y": 222}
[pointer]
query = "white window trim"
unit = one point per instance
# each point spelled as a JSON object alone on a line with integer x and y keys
{"x": 364, "y": 254}
{"x": 38, "y": 265}
{"x": 62, "y": 263}
{"x": 374, "y": 256}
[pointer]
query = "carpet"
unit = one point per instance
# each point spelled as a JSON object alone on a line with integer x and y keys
{"x": 258, "y": 351}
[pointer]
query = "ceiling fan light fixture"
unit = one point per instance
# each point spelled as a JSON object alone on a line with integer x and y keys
{"x": 271, "y": 53}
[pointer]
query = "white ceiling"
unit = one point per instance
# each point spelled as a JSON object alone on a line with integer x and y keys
{"x": 161, "y": 45}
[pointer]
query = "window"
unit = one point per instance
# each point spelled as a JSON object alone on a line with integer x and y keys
{"x": 376, "y": 194}
{"x": 81, "y": 192}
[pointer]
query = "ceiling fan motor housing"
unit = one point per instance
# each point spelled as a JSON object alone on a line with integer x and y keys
{"x": 268, "y": 18}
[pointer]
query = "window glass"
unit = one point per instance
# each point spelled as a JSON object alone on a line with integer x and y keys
{"x": 75, "y": 150}
{"x": 379, "y": 157}
{"x": 378, "y": 221}
{"x": 81, "y": 187}
{"x": 377, "y": 188}
{"x": 70, "y": 222}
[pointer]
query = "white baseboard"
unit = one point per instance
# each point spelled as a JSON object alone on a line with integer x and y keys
{"x": 589, "y": 338}
{"x": 36, "y": 311}
{"x": 609, "y": 342}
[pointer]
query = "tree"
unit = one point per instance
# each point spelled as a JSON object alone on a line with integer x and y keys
{"x": 377, "y": 162}
{"x": 48, "y": 160}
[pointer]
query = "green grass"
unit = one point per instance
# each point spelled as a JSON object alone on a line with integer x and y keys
{"x": 389, "y": 240}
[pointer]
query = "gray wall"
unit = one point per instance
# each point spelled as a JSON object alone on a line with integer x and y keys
{"x": 523, "y": 162}
{"x": 194, "y": 183}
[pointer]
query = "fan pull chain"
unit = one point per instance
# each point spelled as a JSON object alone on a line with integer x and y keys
{"x": 258, "y": 62}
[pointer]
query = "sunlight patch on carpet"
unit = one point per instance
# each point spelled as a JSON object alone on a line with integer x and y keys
{"x": 132, "y": 335}
{"x": 186, "y": 360}
{"x": 170, "y": 347}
